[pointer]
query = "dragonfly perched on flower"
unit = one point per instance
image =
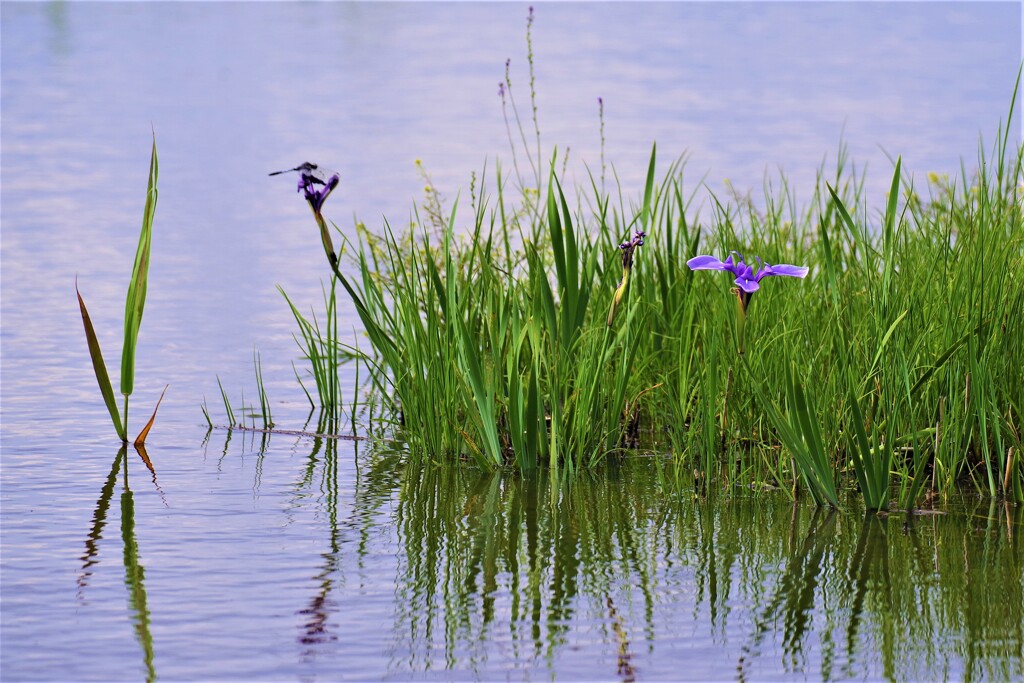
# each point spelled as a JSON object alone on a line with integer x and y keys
{"x": 310, "y": 173}
{"x": 310, "y": 177}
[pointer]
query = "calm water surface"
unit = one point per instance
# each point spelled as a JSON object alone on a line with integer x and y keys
{"x": 285, "y": 557}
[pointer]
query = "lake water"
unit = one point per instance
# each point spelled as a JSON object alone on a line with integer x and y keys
{"x": 285, "y": 557}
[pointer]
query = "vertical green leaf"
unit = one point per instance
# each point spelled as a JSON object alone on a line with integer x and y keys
{"x": 648, "y": 189}
{"x": 830, "y": 263}
{"x": 555, "y": 228}
{"x": 136, "y": 299}
{"x": 889, "y": 233}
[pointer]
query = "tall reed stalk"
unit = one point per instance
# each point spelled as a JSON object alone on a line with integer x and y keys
{"x": 134, "y": 304}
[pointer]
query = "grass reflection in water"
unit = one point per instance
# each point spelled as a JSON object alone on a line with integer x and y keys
{"x": 134, "y": 572}
{"x": 504, "y": 570}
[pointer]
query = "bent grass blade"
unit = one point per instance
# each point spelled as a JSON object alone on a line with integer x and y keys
{"x": 100, "y": 368}
{"x": 140, "y": 440}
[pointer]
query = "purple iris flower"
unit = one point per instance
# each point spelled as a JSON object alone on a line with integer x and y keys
{"x": 317, "y": 197}
{"x": 748, "y": 277}
{"x": 628, "y": 247}
{"x": 627, "y": 265}
{"x": 310, "y": 176}
{"x": 317, "y": 183}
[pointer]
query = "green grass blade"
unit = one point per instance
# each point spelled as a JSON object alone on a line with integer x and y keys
{"x": 890, "y": 208}
{"x": 648, "y": 189}
{"x": 943, "y": 357}
{"x": 843, "y": 213}
{"x": 555, "y": 229}
{"x": 869, "y": 464}
{"x": 816, "y": 464}
{"x": 833, "y": 281}
{"x": 889, "y": 232}
{"x": 100, "y": 368}
{"x": 136, "y": 299}
{"x": 885, "y": 339}
{"x": 227, "y": 404}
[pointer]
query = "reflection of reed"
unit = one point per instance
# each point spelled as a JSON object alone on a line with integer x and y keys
{"x": 500, "y": 567}
{"x": 141, "y": 450}
{"x": 315, "y": 629}
{"x": 943, "y": 597}
{"x": 317, "y": 633}
{"x": 869, "y": 570}
{"x": 99, "y": 520}
{"x": 134, "y": 578}
{"x": 134, "y": 573}
{"x": 795, "y": 591}
{"x": 625, "y": 669}
{"x": 551, "y": 548}
{"x": 794, "y": 594}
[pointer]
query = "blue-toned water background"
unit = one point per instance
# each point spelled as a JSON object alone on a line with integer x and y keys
{"x": 234, "y": 535}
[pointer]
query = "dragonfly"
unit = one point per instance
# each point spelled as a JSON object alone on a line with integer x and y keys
{"x": 310, "y": 173}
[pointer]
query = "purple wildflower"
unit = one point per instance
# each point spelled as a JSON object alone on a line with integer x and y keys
{"x": 748, "y": 277}
{"x": 317, "y": 197}
{"x": 317, "y": 183}
{"x": 627, "y": 248}
{"x": 748, "y": 280}
{"x": 311, "y": 175}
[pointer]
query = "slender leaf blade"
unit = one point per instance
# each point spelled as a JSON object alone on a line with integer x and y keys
{"x": 136, "y": 299}
{"x": 99, "y": 367}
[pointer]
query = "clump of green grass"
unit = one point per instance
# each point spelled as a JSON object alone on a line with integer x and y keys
{"x": 488, "y": 346}
{"x": 495, "y": 354}
{"x": 246, "y": 410}
{"x": 524, "y": 335}
{"x": 896, "y": 319}
{"x": 134, "y": 305}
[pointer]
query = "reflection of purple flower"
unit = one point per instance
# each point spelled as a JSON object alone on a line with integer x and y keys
{"x": 317, "y": 197}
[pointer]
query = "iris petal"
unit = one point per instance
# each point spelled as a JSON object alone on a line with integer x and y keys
{"x": 747, "y": 285}
{"x": 706, "y": 263}
{"x": 784, "y": 269}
